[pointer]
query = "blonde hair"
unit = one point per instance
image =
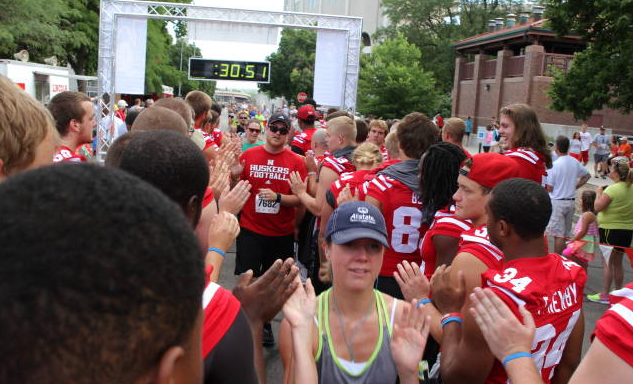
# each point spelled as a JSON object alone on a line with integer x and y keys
{"x": 24, "y": 124}
{"x": 391, "y": 142}
{"x": 380, "y": 124}
{"x": 455, "y": 128}
{"x": 343, "y": 125}
{"x": 367, "y": 153}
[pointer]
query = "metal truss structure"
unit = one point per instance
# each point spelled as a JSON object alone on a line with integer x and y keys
{"x": 111, "y": 10}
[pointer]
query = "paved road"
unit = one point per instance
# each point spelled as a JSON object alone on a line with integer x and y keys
{"x": 593, "y": 311}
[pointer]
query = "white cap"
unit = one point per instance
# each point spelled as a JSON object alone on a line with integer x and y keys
{"x": 122, "y": 103}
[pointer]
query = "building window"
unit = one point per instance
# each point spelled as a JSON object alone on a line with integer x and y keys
{"x": 366, "y": 39}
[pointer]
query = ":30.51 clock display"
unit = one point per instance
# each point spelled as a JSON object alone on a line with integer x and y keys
{"x": 209, "y": 69}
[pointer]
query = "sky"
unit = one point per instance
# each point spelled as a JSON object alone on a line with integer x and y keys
{"x": 238, "y": 51}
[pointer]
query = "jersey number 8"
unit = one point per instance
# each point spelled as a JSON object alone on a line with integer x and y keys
{"x": 400, "y": 229}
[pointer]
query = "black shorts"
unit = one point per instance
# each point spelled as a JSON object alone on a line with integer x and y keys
{"x": 259, "y": 252}
{"x": 617, "y": 237}
{"x": 389, "y": 285}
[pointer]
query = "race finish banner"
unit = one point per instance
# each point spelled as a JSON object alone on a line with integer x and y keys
{"x": 209, "y": 69}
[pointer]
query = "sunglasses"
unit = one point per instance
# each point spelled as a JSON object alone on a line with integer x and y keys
{"x": 274, "y": 129}
{"x": 254, "y": 130}
{"x": 243, "y": 117}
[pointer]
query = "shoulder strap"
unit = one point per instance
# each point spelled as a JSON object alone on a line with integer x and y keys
{"x": 320, "y": 319}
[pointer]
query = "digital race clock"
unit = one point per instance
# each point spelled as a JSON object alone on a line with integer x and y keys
{"x": 206, "y": 69}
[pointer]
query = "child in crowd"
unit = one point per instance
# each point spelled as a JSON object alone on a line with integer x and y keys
{"x": 582, "y": 247}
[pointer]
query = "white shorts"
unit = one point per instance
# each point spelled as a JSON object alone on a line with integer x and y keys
{"x": 560, "y": 222}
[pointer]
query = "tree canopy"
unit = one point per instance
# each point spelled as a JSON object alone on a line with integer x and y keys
{"x": 292, "y": 65}
{"x": 392, "y": 82}
{"x": 602, "y": 75}
{"x": 433, "y": 25}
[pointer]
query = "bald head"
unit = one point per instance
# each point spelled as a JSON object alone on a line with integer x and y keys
{"x": 156, "y": 118}
{"x": 179, "y": 106}
{"x": 453, "y": 131}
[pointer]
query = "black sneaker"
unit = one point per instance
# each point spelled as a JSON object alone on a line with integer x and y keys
{"x": 268, "y": 339}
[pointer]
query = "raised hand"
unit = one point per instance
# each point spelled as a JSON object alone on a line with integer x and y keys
{"x": 412, "y": 281}
{"x": 503, "y": 332}
{"x": 410, "y": 332}
{"x": 223, "y": 230}
{"x": 264, "y": 298}
{"x": 301, "y": 306}
{"x": 297, "y": 185}
{"x": 311, "y": 165}
{"x": 447, "y": 296}
{"x": 232, "y": 200}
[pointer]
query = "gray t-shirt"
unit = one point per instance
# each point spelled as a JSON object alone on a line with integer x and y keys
{"x": 602, "y": 143}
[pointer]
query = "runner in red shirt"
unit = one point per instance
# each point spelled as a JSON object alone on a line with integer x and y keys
{"x": 74, "y": 119}
{"x": 302, "y": 141}
{"x": 378, "y": 130}
{"x": 549, "y": 286}
{"x": 524, "y": 142}
{"x": 439, "y": 169}
{"x": 395, "y": 192}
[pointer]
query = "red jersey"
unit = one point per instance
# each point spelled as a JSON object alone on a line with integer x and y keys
{"x": 216, "y": 135}
{"x": 220, "y": 309}
{"x": 384, "y": 153}
{"x": 403, "y": 217}
{"x": 531, "y": 164}
{"x": 476, "y": 242}
{"x": 615, "y": 327}
{"x": 339, "y": 165}
{"x": 551, "y": 288}
{"x": 355, "y": 180}
{"x": 266, "y": 170}
{"x": 65, "y": 155}
{"x": 445, "y": 223}
{"x": 209, "y": 141}
{"x": 303, "y": 140}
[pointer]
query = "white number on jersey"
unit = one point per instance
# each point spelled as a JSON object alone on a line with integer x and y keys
{"x": 400, "y": 229}
{"x": 543, "y": 358}
{"x": 518, "y": 285}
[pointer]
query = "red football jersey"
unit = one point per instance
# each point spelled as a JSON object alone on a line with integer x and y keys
{"x": 265, "y": 170}
{"x": 551, "y": 288}
{"x": 339, "y": 165}
{"x": 476, "y": 242}
{"x": 220, "y": 309}
{"x": 216, "y": 135}
{"x": 531, "y": 164}
{"x": 354, "y": 179}
{"x": 64, "y": 154}
{"x": 445, "y": 223}
{"x": 403, "y": 217}
{"x": 303, "y": 140}
{"x": 615, "y": 327}
{"x": 384, "y": 153}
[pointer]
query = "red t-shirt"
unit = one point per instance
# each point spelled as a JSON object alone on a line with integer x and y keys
{"x": 339, "y": 165}
{"x": 355, "y": 181}
{"x": 266, "y": 170}
{"x": 551, "y": 288}
{"x": 531, "y": 164}
{"x": 220, "y": 309}
{"x": 615, "y": 327}
{"x": 384, "y": 153}
{"x": 65, "y": 155}
{"x": 403, "y": 217}
{"x": 445, "y": 223}
{"x": 476, "y": 242}
{"x": 303, "y": 140}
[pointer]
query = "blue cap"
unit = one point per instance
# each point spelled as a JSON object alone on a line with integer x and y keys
{"x": 356, "y": 220}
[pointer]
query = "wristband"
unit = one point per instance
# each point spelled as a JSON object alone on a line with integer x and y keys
{"x": 450, "y": 317}
{"x": 278, "y": 199}
{"x": 311, "y": 173}
{"x": 218, "y": 251}
{"x": 515, "y": 356}
{"x": 422, "y": 302}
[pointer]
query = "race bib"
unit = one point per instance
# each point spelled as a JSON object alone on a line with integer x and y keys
{"x": 266, "y": 206}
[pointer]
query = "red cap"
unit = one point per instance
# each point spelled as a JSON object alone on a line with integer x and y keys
{"x": 489, "y": 169}
{"x": 306, "y": 112}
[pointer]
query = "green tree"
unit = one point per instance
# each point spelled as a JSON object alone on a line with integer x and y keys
{"x": 602, "y": 75}
{"x": 434, "y": 25}
{"x": 292, "y": 65}
{"x": 392, "y": 82}
{"x": 188, "y": 50}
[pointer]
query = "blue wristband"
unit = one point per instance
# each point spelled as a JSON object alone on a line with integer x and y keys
{"x": 421, "y": 302}
{"x": 450, "y": 319}
{"x": 516, "y": 356}
{"x": 217, "y": 250}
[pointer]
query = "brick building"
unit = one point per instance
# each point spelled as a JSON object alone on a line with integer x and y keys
{"x": 512, "y": 63}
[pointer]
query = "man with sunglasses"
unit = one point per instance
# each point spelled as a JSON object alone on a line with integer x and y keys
{"x": 268, "y": 217}
{"x": 251, "y": 139}
{"x": 242, "y": 122}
